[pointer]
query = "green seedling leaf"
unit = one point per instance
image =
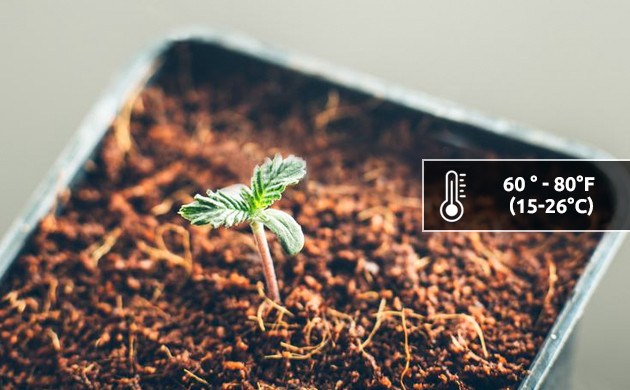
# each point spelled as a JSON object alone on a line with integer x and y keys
{"x": 287, "y": 230}
{"x": 271, "y": 179}
{"x": 225, "y": 207}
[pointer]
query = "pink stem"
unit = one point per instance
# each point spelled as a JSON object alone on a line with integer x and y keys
{"x": 267, "y": 262}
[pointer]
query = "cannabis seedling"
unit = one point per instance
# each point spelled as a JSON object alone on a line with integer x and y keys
{"x": 238, "y": 203}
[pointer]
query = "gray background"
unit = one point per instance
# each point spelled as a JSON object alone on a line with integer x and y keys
{"x": 561, "y": 66}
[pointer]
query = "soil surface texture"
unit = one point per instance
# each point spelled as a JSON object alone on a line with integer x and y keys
{"x": 116, "y": 291}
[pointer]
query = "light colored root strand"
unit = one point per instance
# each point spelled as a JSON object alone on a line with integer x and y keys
{"x": 185, "y": 240}
{"x": 471, "y": 320}
{"x": 380, "y": 316}
{"x": 308, "y": 329}
{"x": 481, "y": 262}
{"x": 408, "y": 313}
{"x": 436, "y": 317}
{"x": 132, "y": 348}
{"x": 407, "y": 349}
{"x": 346, "y": 317}
{"x": 259, "y": 315}
{"x": 97, "y": 252}
{"x": 54, "y": 339}
{"x": 122, "y": 127}
{"x": 163, "y": 253}
{"x": 375, "y": 367}
{"x": 163, "y": 207}
{"x": 51, "y": 297}
{"x": 262, "y": 324}
{"x": 495, "y": 262}
{"x": 275, "y": 305}
{"x": 377, "y": 325}
{"x": 553, "y": 278}
{"x": 491, "y": 256}
{"x": 278, "y": 322}
{"x": 160, "y": 254}
{"x": 268, "y": 324}
{"x": 294, "y": 348}
{"x": 196, "y": 377}
{"x": 122, "y": 123}
{"x": 300, "y": 356}
{"x": 328, "y": 114}
{"x": 15, "y": 302}
{"x": 368, "y": 295}
{"x": 164, "y": 348}
{"x": 157, "y": 292}
{"x": 167, "y": 204}
{"x": 328, "y": 332}
{"x": 335, "y": 111}
{"x": 294, "y": 352}
{"x": 339, "y": 314}
{"x": 148, "y": 304}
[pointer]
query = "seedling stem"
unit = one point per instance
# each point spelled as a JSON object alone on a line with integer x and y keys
{"x": 260, "y": 237}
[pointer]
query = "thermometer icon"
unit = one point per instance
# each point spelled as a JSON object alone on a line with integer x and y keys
{"x": 452, "y": 209}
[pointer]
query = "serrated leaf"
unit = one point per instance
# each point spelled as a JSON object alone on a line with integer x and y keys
{"x": 225, "y": 207}
{"x": 283, "y": 225}
{"x": 272, "y": 177}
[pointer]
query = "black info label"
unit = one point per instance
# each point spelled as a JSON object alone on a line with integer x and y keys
{"x": 525, "y": 195}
